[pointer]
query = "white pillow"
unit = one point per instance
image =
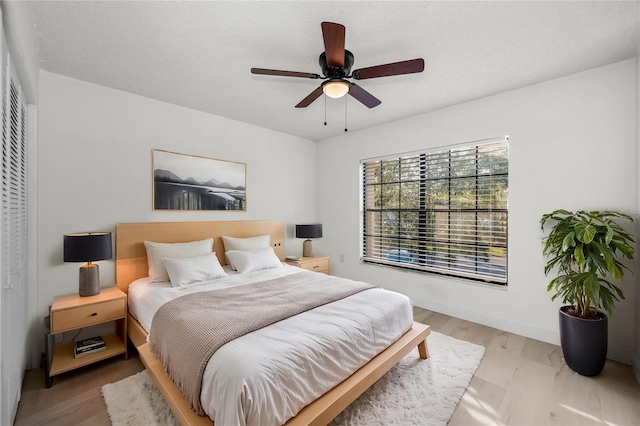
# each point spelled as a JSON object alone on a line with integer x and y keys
{"x": 245, "y": 244}
{"x": 156, "y": 251}
{"x": 193, "y": 270}
{"x": 255, "y": 260}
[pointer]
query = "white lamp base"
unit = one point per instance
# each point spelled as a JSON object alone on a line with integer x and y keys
{"x": 307, "y": 248}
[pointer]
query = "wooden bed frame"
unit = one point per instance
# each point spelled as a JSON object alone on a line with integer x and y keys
{"x": 131, "y": 264}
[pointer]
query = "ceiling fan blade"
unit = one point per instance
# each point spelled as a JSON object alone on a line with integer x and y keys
{"x": 396, "y": 68}
{"x": 363, "y": 96}
{"x": 309, "y": 99}
{"x": 333, "y": 35}
{"x": 284, "y": 73}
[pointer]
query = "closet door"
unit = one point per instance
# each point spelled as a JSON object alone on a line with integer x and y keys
{"x": 13, "y": 238}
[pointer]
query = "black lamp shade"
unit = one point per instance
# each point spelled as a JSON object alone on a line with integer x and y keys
{"x": 87, "y": 247}
{"x": 309, "y": 231}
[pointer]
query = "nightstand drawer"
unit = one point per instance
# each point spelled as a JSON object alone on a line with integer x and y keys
{"x": 321, "y": 265}
{"x": 86, "y": 315}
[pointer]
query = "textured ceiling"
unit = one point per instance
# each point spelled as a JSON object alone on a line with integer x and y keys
{"x": 199, "y": 54}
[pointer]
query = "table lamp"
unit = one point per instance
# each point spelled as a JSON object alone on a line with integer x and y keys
{"x": 88, "y": 247}
{"x": 308, "y": 232}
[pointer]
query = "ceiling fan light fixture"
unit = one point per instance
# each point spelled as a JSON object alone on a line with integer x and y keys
{"x": 335, "y": 88}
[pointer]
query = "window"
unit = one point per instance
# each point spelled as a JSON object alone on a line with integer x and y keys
{"x": 442, "y": 211}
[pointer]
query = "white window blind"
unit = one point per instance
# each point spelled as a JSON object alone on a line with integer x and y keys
{"x": 13, "y": 238}
{"x": 442, "y": 211}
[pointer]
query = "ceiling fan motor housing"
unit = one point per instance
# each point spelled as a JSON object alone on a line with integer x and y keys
{"x": 336, "y": 72}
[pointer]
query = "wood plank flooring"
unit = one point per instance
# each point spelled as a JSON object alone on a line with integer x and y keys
{"x": 519, "y": 382}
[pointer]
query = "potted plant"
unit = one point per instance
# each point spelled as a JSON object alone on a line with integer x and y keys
{"x": 585, "y": 249}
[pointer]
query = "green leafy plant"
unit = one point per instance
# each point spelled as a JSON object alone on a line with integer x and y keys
{"x": 584, "y": 247}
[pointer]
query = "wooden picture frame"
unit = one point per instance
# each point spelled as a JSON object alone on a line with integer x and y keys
{"x": 191, "y": 182}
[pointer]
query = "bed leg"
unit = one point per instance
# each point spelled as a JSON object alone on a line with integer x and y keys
{"x": 423, "y": 350}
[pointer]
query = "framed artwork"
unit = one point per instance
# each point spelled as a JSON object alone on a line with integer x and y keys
{"x": 190, "y": 182}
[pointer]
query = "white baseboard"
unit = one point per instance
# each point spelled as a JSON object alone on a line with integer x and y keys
{"x": 619, "y": 353}
{"x": 615, "y": 352}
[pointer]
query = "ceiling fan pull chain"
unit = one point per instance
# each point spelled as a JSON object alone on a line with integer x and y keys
{"x": 325, "y": 110}
{"x": 345, "y": 113}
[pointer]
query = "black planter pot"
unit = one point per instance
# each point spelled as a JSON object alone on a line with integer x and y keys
{"x": 584, "y": 342}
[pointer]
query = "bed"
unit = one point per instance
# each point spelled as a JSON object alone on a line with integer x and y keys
{"x": 132, "y": 267}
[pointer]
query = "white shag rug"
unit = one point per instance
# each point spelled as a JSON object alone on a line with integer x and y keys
{"x": 415, "y": 391}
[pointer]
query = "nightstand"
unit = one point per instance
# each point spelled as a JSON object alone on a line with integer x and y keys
{"x": 73, "y": 312}
{"x": 313, "y": 263}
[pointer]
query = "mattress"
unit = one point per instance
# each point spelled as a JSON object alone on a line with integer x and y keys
{"x": 269, "y": 375}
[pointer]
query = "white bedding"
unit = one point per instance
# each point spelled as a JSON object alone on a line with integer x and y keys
{"x": 269, "y": 375}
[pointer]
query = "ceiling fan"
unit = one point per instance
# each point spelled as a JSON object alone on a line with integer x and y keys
{"x": 336, "y": 63}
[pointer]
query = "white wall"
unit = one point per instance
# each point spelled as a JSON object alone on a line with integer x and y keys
{"x": 572, "y": 145}
{"x": 636, "y": 353}
{"x": 21, "y": 40}
{"x": 94, "y": 170}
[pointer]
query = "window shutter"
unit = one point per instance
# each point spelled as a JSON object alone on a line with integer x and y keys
{"x": 13, "y": 238}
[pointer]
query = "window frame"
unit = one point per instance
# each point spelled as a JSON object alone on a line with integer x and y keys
{"x": 463, "y": 256}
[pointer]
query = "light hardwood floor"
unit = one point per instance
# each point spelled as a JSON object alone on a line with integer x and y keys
{"x": 519, "y": 382}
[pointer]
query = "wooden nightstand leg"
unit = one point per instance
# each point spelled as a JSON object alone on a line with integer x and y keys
{"x": 122, "y": 333}
{"x": 48, "y": 358}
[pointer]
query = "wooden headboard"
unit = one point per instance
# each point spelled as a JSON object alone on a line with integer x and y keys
{"x": 131, "y": 256}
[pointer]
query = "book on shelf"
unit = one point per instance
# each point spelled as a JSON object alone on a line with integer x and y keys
{"x": 77, "y": 353}
{"x": 88, "y": 346}
{"x": 89, "y": 343}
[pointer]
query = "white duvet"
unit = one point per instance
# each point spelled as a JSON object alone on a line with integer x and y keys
{"x": 267, "y": 376}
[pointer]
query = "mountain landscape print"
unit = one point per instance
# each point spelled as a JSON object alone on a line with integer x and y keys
{"x": 188, "y": 182}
